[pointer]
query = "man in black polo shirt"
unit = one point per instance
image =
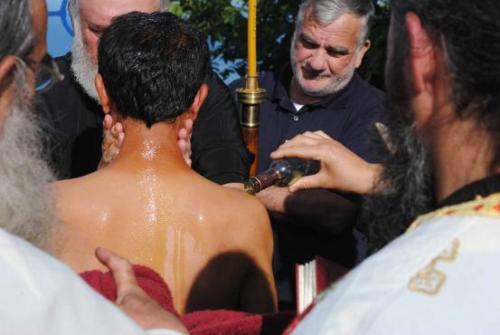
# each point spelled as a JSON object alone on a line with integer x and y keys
{"x": 73, "y": 118}
{"x": 319, "y": 90}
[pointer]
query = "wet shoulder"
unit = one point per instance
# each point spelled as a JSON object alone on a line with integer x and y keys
{"x": 247, "y": 216}
{"x": 78, "y": 198}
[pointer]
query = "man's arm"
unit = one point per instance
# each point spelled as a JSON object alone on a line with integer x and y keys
{"x": 320, "y": 209}
{"x": 341, "y": 170}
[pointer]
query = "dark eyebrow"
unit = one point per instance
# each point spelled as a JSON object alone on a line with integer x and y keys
{"x": 338, "y": 50}
{"x": 342, "y": 51}
{"x": 308, "y": 39}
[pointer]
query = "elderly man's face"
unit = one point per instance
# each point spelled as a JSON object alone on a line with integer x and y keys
{"x": 96, "y": 15}
{"x": 39, "y": 10}
{"x": 26, "y": 207}
{"x": 324, "y": 58}
{"x": 91, "y": 18}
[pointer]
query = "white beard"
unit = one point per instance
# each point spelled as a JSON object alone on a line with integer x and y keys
{"x": 84, "y": 69}
{"x": 26, "y": 205}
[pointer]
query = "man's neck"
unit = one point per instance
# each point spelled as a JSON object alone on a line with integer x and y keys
{"x": 462, "y": 153}
{"x": 146, "y": 148}
{"x": 298, "y": 96}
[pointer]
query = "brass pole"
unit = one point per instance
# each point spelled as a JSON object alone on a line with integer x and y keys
{"x": 251, "y": 96}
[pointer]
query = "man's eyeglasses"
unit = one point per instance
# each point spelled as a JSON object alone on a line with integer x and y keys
{"x": 47, "y": 73}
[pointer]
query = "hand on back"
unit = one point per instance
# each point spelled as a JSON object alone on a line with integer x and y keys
{"x": 114, "y": 136}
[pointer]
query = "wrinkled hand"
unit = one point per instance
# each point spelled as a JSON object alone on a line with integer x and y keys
{"x": 132, "y": 299}
{"x": 184, "y": 141}
{"x": 341, "y": 169}
{"x": 112, "y": 142}
{"x": 273, "y": 198}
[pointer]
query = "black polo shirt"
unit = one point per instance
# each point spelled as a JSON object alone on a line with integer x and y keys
{"x": 346, "y": 116}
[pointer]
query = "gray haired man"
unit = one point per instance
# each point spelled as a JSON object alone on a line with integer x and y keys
{"x": 319, "y": 90}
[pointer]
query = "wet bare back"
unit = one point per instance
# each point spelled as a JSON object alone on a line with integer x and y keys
{"x": 211, "y": 244}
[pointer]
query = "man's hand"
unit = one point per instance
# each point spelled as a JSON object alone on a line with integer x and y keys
{"x": 132, "y": 299}
{"x": 341, "y": 169}
{"x": 113, "y": 137}
{"x": 184, "y": 141}
{"x": 273, "y": 198}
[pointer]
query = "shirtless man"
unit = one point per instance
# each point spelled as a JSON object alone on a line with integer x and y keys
{"x": 212, "y": 245}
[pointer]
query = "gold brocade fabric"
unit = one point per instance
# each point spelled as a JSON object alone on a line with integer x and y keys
{"x": 488, "y": 206}
{"x": 430, "y": 279}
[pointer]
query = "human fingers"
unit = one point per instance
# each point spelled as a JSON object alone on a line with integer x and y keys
{"x": 112, "y": 143}
{"x": 183, "y": 134}
{"x": 185, "y": 150}
{"x": 188, "y": 124}
{"x": 293, "y": 151}
{"x": 121, "y": 269}
{"x": 298, "y": 141}
{"x": 107, "y": 122}
{"x": 121, "y": 138}
{"x": 322, "y": 134}
{"x": 301, "y": 148}
{"x": 307, "y": 182}
{"x": 117, "y": 129}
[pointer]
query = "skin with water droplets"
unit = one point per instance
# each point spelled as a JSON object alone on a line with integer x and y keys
{"x": 150, "y": 207}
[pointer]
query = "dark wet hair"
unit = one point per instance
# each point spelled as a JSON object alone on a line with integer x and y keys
{"x": 152, "y": 65}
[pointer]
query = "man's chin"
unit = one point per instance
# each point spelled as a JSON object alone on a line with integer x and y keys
{"x": 318, "y": 91}
{"x": 313, "y": 87}
{"x": 321, "y": 87}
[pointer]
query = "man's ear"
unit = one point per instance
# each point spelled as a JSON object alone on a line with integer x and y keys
{"x": 103, "y": 94}
{"x": 422, "y": 62}
{"x": 7, "y": 64}
{"x": 361, "y": 53}
{"x": 200, "y": 97}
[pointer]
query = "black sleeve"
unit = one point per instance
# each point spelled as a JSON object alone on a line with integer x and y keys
{"x": 218, "y": 150}
{"x": 323, "y": 210}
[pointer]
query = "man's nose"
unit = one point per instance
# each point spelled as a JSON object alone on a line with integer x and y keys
{"x": 317, "y": 60}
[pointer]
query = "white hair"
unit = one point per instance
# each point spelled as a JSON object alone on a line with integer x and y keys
{"x": 26, "y": 203}
{"x": 82, "y": 66}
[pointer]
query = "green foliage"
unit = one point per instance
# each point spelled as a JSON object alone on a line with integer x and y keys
{"x": 225, "y": 22}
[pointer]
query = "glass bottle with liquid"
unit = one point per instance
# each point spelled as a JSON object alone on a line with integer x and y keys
{"x": 282, "y": 172}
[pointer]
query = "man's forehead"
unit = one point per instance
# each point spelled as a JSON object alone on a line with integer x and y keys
{"x": 102, "y": 12}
